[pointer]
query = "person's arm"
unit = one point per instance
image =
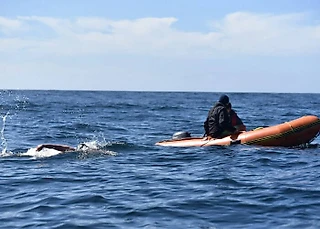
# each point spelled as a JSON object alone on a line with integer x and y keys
{"x": 61, "y": 148}
{"x": 206, "y": 128}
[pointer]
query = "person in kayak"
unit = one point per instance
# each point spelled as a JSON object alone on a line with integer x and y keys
{"x": 235, "y": 120}
{"x": 218, "y": 123}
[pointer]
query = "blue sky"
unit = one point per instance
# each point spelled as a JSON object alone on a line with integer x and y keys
{"x": 178, "y": 45}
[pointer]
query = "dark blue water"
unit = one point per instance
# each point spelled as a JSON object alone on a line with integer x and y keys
{"x": 131, "y": 183}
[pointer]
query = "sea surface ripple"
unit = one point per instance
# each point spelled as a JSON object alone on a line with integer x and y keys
{"x": 128, "y": 182}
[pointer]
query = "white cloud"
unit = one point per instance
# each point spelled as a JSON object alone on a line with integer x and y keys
{"x": 237, "y": 33}
{"x": 268, "y": 34}
{"x": 7, "y": 25}
{"x": 153, "y": 54}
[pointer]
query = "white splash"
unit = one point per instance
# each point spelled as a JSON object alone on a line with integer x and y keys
{"x": 94, "y": 146}
{"x": 42, "y": 153}
{"x": 86, "y": 147}
{"x": 3, "y": 139}
{"x": 5, "y": 153}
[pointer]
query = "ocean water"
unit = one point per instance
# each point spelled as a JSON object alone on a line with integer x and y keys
{"x": 128, "y": 182}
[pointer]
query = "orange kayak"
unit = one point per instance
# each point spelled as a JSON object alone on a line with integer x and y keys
{"x": 296, "y": 132}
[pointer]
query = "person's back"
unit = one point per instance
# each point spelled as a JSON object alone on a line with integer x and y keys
{"x": 218, "y": 124}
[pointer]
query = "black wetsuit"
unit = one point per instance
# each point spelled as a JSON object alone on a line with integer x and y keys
{"x": 218, "y": 121}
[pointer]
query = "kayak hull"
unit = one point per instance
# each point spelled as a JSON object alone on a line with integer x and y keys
{"x": 293, "y": 133}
